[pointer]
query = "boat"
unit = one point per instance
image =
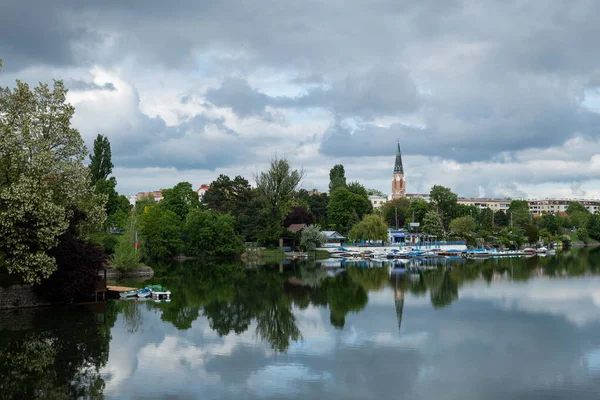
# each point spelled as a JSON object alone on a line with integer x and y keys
{"x": 128, "y": 293}
{"x": 145, "y": 292}
{"x": 551, "y": 252}
{"x": 541, "y": 250}
{"x": 159, "y": 292}
{"x": 529, "y": 251}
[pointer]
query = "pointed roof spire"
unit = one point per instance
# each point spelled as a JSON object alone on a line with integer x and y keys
{"x": 398, "y": 168}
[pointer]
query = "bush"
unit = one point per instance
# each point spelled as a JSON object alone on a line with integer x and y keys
{"x": 208, "y": 233}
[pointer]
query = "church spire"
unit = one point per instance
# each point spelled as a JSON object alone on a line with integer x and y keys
{"x": 398, "y": 169}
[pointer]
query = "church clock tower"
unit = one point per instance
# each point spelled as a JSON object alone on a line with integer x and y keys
{"x": 398, "y": 184}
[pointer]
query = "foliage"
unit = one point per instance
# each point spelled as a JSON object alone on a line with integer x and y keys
{"x": 511, "y": 238}
{"x": 375, "y": 192}
{"x": 432, "y": 224}
{"x": 337, "y": 177}
{"x": 593, "y": 226}
{"x": 126, "y": 255}
{"x": 298, "y": 215}
{"x": 144, "y": 203}
{"x": 575, "y": 207}
{"x": 181, "y": 199}
{"x": 317, "y": 206}
{"x": 519, "y": 211}
{"x": 276, "y": 187}
{"x": 372, "y": 227}
{"x": 501, "y": 219}
{"x": 583, "y": 235}
{"x": 208, "y": 233}
{"x": 228, "y": 195}
{"x": 342, "y": 205}
{"x": 550, "y": 222}
{"x": 42, "y": 178}
{"x": 532, "y": 233}
{"x": 78, "y": 263}
{"x": 117, "y": 206}
{"x": 311, "y": 237}
{"x": 396, "y": 208}
{"x": 445, "y": 202}
{"x": 418, "y": 208}
{"x": 100, "y": 160}
{"x": 161, "y": 232}
{"x": 463, "y": 226}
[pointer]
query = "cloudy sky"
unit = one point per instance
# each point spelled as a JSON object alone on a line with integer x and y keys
{"x": 489, "y": 98}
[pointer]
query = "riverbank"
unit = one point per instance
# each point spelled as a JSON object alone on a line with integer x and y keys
{"x": 141, "y": 271}
{"x": 277, "y": 255}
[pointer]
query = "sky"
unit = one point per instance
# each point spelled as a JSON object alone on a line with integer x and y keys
{"x": 488, "y": 98}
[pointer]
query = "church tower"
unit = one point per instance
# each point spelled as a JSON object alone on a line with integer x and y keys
{"x": 398, "y": 184}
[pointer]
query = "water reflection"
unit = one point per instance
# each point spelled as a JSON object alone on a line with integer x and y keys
{"x": 468, "y": 329}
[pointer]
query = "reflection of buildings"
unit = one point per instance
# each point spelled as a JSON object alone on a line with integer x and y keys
{"x": 399, "y": 301}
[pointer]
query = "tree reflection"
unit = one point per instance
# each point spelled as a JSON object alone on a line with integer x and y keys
{"x": 52, "y": 354}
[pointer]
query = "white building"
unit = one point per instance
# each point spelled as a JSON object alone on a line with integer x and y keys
{"x": 377, "y": 201}
{"x": 483, "y": 203}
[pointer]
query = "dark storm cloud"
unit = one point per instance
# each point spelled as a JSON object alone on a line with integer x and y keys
{"x": 479, "y": 77}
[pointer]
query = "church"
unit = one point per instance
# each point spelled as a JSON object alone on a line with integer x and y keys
{"x": 398, "y": 183}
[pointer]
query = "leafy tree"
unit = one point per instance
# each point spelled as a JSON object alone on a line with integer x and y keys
{"x": 501, "y": 219}
{"x": 397, "y": 207}
{"x": 276, "y": 187}
{"x": 532, "y": 233}
{"x": 432, "y": 224}
{"x": 127, "y": 256}
{"x": 342, "y": 205}
{"x": 358, "y": 189}
{"x": 181, "y": 199}
{"x": 228, "y": 195}
{"x": 488, "y": 219}
{"x": 463, "y": 226}
{"x": 311, "y": 237}
{"x": 298, "y": 215}
{"x": 42, "y": 179}
{"x": 372, "y": 227}
{"x": 583, "y": 235}
{"x": 593, "y": 226}
{"x": 445, "y": 202}
{"x": 551, "y": 223}
{"x": 337, "y": 177}
{"x": 463, "y": 210}
{"x": 208, "y": 233}
{"x": 575, "y": 207}
{"x": 161, "y": 232}
{"x": 418, "y": 208}
{"x": 100, "y": 160}
{"x": 144, "y": 203}
{"x": 519, "y": 210}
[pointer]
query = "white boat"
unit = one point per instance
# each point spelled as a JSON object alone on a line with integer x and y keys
{"x": 541, "y": 250}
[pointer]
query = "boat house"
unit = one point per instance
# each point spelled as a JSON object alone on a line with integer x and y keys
{"x": 334, "y": 237}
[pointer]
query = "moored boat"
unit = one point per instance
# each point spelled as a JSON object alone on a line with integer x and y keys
{"x": 128, "y": 293}
{"x": 145, "y": 292}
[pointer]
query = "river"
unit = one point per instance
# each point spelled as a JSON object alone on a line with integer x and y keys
{"x": 478, "y": 329}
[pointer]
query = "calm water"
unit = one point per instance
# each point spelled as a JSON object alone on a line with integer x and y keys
{"x": 493, "y": 329}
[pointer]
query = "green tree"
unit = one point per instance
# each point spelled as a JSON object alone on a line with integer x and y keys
{"x": 42, "y": 178}
{"x": 337, "y": 177}
{"x": 127, "y": 256}
{"x": 593, "y": 226}
{"x": 181, "y": 199}
{"x": 532, "y": 233}
{"x": 228, "y": 195}
{"x": 161, "y": 232}
{"x": 317, "y": 205}
{"x": 463, "y": 226}
{"x": 375, "y": 192}
{"x": 582, "y": 234}
{"x": 418, "y": 208}
{"x": 501, "y": 219}
{"x": 342, "y": 205}
{"x": 372, "y": 227}
{"x": 432, "y": 224}
{"x": 519, "y": 210}
{"x": 576, "y": 206}
{"x": 445, "y": 202}
{"x": 399, "y": 208}
{"x": 276, "y": 187}
{"x": 311, "y": 237}
{"x": 488, "y": 220}
{"x": 100, "y": 160}
{"x": 208, "y": 233}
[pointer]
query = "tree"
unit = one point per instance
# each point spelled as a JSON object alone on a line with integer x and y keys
{"x": 372, "y": 227}
{"x": 593, "y": 226}
{"x": 445, "y": 202}
{"x": 532, "y": 233}
{"x": 375, "y": 192}
{"x": 582, "y": 234}
{"x": 311, "y": 237}
{"x": 343, "y": 204}
{"x": 337, "y": 177}
{"x": 399, "y": 208}
{"x": 100, "y": 160}
{"x": 208, "y": 233}
{"x": 276, "y": 186}
{"x": 488, "y": 219}
{"x": 228, "y": 195}
{"x": 161, "y": 232}
{"x": 463, "y": 226}
{"x": 575, "y": 207}
{"x": 501, "y": 218}
{"x": 127, "y": 256}
{"x": 432, "y": 224}
{"x": 358, "y": 189}
{"x": 298, "y": 215}
{"x": 418, "y": 208}
{"x": 42, "y": 179}
{"x": 180, "y": 199}
{"x": 519, "y": 210}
